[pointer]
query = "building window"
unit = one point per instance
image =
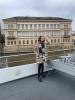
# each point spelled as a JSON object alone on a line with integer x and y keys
{"x": 27, "y": 42}
{"x": 43, "y": 26}
{"x": 54, "y": 26}
{"x": 47, "y": 26}
{"x": 39, "y": 26}
{"x": 31, "y": 26}
{"x": 63, "y": 40}
{"x": 36, "y": 34}
{"x": 66, "y": 32}
{"x": 51, "y": 41}
{"x": 35, "y": 41}
{"x": 55, "y": 41}
{"x": 10, "y": 26}
{"x": 51, "y": 33}
{"x": 11, "y": 42}
{"x": 31, "y": 41}
{"x": 51, "y": 25}
{"x": 8, "y": 43}
{"x": 68, "y": 40}
{"x": 35, "y": 26}
{"x": 22, "y": 26}
{"x": 26, "y": 26}
{"x": 18, "y": 26}
{"x": 58, "y": 26}
{"x": 46, "y": 34}
{"x": 19, "y": 42}
{"x": 31, "y": 33}
{"x": 15, "y": 42}
{"x": 23, "y": 34}
{"x": 11, "y": 33}
{"x": 23, "y": 41}
{"x": 58, "y": 41}
{"x": 28, "y": 34}
{"x": 54, "y": 33}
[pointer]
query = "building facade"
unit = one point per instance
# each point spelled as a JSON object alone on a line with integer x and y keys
{"x": 22, "y": 33}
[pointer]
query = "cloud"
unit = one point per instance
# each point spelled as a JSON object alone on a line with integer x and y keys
{"x": 58, "y": 8}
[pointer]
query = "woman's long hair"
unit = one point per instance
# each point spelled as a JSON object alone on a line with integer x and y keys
{"x": 39, "y": 39}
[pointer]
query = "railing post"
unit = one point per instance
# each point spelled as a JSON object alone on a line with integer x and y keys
{"x": 6, "y": 62}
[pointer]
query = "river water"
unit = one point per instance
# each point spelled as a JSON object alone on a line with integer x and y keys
{"x": 28, "y": 58}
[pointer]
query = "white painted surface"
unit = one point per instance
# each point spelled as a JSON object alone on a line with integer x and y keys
{"x": 17, "y": 72}
{"x": 68, "y": 68}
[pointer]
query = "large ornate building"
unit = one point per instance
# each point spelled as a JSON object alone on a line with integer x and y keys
{"x": 22, "y": 33}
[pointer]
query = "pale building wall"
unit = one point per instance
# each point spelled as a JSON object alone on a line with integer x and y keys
{"x": 54, "y": 32}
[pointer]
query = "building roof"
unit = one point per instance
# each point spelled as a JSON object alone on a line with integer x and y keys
{"x": 36, "y": 18}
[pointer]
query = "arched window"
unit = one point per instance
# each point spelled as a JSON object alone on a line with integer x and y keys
{"x": 35, "y": 41}
{"x": 8, "y": 43}
{"x": 23, "y": 41}
{"x": 68, "y": 40}
{"x": 15, "y": 42}
{"x": 11, "y": 42}
{"x": 27, "y": 42}
{"x": 55, "y": 41}
{"x": 63, "y": 40}
{"x": 19, "y": 42}
{"x": 31, "y": 41}
{"x": 58, "y": 41}
{"x": 51, "y": 41}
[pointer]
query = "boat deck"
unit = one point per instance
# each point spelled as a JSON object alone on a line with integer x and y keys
{"x": 57, "y": 86}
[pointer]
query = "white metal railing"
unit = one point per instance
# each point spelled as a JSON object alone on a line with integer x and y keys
{"x": 4, "y": 60}
{"x": 22, "y": 61}
{"x": 5, "y": 63}
{"x": 17, "y": 55}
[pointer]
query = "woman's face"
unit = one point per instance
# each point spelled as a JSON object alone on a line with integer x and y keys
{"x": 42, "y": 38}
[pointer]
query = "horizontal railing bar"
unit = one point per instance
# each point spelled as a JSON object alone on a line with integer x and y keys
{"x": 20, "y": 61}
{"x": 17, "y": 55}
{"x": 27, "y": 59}
{"x": 34, "y": 53}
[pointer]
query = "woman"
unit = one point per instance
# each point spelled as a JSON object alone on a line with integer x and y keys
{"x": 41, "y": 56}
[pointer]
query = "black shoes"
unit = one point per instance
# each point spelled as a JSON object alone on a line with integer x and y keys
{"x": 43, "y": 76}
{"x": 40, "y": 79}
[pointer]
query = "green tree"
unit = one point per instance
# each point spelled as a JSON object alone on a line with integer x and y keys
{"x": 2, "y": 43}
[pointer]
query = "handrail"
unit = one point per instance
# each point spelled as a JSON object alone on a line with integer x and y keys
{"x": 33, "y": 53}
{"x": 6, "y": 62}
{"x": 20, "y": 61}
{"x": 17, "y": 55}
{"x": 27, "y": 60}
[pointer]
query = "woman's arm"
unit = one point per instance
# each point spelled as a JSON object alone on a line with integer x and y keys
{"x": 46, "y": 41}
{"x": 35, "y": 48}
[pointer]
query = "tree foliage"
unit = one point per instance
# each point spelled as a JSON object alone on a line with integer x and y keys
{"x": 2, "y": 39}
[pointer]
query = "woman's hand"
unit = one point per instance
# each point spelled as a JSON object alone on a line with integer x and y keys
{"x": 46, "y": 41}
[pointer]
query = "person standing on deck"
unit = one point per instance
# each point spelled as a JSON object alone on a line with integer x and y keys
{"x": 41, "y": 51}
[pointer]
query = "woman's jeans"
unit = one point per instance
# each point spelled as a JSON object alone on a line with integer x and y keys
{"x": 40, "y": 69}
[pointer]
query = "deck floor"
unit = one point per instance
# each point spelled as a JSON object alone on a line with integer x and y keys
{"x": 57, "y": 86}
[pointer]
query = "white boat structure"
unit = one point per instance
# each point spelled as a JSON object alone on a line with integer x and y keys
{"x": 64, "y": 63}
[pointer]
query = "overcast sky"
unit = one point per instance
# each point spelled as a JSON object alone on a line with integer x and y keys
{"x": 55, "y": 8}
